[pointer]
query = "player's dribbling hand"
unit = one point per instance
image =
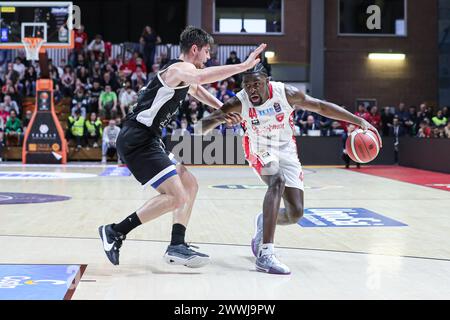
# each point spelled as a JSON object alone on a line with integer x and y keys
{"x": 367, "y": 126}
{"x": 253, "y": 59}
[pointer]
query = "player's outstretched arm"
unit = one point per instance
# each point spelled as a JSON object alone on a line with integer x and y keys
{"x": 189, "y": 74}
{"x": 229, "y": 113}
{"x": 330, "y": 110}
{"x": 202, "y": 95}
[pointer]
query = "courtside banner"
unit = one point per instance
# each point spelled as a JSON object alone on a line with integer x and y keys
{"x": 44, "y": 140}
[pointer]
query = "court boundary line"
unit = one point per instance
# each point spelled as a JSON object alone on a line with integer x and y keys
{"x": 239, "y": 245}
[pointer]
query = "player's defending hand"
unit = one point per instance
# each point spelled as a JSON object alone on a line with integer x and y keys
{"x": 367, "y": 126}
{"x": 232, "y": 118}
{"x": 253, "y": 59}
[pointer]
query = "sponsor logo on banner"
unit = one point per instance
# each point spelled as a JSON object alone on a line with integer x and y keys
{"x": 345, "y": 217}
{"x": 43, "y": 128}
{"x": 38, "y": 282}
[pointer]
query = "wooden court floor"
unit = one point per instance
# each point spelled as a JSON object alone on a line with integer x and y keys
{"x": 364, "y": 236}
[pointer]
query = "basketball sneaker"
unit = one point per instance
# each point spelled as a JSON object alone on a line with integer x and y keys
{"x": 257, "y": 238}
{"x": 270, "y": 264}
{"x": 182, "y": 254}
{"x": 112, "y": 241}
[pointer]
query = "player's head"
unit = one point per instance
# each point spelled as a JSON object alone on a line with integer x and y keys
{"x": 196, "y": 43}
{"x": 256, "y": 84}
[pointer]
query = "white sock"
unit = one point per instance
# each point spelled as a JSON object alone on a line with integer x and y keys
{"x": 266, "y": 249}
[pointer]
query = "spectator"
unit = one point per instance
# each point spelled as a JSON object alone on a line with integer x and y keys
{"x": 94, "y": 96}
{"x": 155, "y": 70}
{"x": 94, "y": 130}
{"x": 446, "y": 112}
{"x": 107, "y": 103}
{"x": 138, "y": 76}
{"x": 164, "y": 59}
{"x": 30, "y": 81}
{"x": 75, "y": 129}
{"x": 19, "y": 67}
{"x": 3, "y": 113}
{"x": 375, "y": 118}
{"x": 439, "y": 120}
{"x": 10, "y": 105}
{"x": 336, "y": 129}
{"x": 68, "y": 81}
{"x": 311, "y": 127}
{"x": 97, "y": 46}
{"x": 81, "y": 40}
{"x": 402, "y": 113}
{"x": 83, "y": 75}
{"x": 233, "y": 59}
{"x": 410, "y": 124}
{"x": 12, "y": 90}
{"x": 447, "y": 130}
{"x": 127, "y": 98}
{"x": 109, "y": 141}
{"x": 27, "y": 120}
{"x": 223, "y": 90}
{"x": 12, "y": 74}
{"x": 149, "y": 40}
{"x": 128, "y": 67}
{"x": 362, "y": 113}
{"x": 80, "y": 98}
{"x": 325, "y": 126}
{"x": 425, "y": 130}
{"x": 396, "y": 131}
{"x": 57, "y": 94}
{"x": 13, "y": 130}
{"x": 79, "y": 108}
{"x": 185, "y": 128}
{"x": 140, "y": 63}
{"x": 109, "y": 79}
{"x": 345, "y": 157}
{"x": 424, "y": 113}
{"x": 386, "y": 121}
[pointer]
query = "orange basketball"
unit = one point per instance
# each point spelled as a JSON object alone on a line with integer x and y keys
{"x": 362, "y": 147}
{"x": 44, "y": 95}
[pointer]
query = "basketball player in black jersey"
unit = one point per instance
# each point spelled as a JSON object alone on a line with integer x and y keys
{"x": 139, "y": 145}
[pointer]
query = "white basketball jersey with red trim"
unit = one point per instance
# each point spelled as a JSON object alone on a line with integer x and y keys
{"x": 270, "y": 125}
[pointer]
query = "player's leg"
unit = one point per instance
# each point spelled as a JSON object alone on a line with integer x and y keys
{"x": 266, "y": 260}
{"x": 293, "y": 207}
{"x": 178, "y": 251}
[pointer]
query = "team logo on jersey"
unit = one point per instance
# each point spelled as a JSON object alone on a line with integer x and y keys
{"x": 280, "y": 117}
{"x": 277, "y": 107}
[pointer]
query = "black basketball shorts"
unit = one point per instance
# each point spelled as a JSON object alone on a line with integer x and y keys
{"x": 145, "y": 156}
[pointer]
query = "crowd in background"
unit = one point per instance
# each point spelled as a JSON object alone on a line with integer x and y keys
{"x": 100, "y": 88}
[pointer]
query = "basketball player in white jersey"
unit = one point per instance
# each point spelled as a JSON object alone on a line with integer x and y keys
{"x": 267, "y": 109}
{"x": 140, "y": 147}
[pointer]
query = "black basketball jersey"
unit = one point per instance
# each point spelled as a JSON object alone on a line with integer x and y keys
{"x": 157, "y": 103}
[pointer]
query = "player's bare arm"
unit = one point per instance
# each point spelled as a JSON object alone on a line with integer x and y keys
{"x": 300, "y": 100}
{"x": 187, "y": 73}
{"x": 202, "y": 95}
{"x": 229, "y": 113}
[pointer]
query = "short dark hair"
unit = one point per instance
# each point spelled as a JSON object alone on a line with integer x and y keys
{"x": 259, "y": 68}
{"x": 192, "y": 35}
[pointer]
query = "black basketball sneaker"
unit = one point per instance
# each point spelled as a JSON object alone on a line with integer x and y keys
{"x": 112, "y": 241}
